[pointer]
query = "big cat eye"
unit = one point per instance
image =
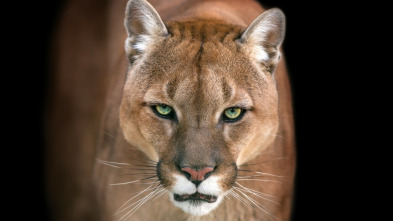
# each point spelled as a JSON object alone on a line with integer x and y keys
{"x": 163, "y": 111}
{"x": 233, "y": 114}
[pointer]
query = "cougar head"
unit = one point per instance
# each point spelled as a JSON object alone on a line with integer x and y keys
{"x": 200, "y": 99}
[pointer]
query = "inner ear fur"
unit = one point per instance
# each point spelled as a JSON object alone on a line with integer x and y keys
{"x": 143, "y": 25}
{"x": 263, "y": 38}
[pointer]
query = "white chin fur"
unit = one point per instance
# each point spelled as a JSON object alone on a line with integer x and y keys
{"x": 208, "y": 187}
{"x": 196, "y": 209}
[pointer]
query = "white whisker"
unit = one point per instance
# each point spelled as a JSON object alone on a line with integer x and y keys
{"x": 254, "y": 191}
{"x": 110, "y": 135}
{"x": 112, "y": 164}
{"x": 263, "y": 173}
{"x": 107, "y": 164}
{"x": 257, "y": 195}
{"x": 147, "y": 183}
{"x": 135, "y": 181}
{"x": 257, "y": 204}
{"x": 121, "y": 207}
{"x": 140, "y": 202}
{"x": 260, "y": 180}
{"x": 238, "y": 197}
{"x": 160, "y": 195}
{"x": 278, "y": 158}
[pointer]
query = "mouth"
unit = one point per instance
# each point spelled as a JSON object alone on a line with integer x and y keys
{"x": 195, "y": 197}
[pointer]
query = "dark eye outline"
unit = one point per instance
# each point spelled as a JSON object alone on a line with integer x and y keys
{"x": 232, "y": 120}
{"x": 170, "y": 115}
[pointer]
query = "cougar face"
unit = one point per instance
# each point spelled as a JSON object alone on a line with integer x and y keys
{"x": 200, "y": 99}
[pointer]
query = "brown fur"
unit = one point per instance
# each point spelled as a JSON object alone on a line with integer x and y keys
{"x": 199, "y": 70}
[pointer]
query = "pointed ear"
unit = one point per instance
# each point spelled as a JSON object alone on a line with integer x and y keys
{"x": 264, "y": 36}
{"x": 143, "y": 25}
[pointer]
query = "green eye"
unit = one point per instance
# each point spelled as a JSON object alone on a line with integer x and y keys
{"x": 163, "y": 110}
{"x": 233, "y": 114}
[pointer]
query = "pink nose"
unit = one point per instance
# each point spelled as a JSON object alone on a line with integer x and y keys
{"x": 197, "y": 175}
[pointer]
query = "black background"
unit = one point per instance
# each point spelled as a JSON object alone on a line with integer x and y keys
{"x": 319, "y": 48}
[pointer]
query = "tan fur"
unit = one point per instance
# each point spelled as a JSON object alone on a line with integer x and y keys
{"x": 99, "y": 109}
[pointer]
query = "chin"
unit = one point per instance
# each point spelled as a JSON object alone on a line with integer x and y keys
{"x": 196, "y": 207}
{"x": 196, "y": 201}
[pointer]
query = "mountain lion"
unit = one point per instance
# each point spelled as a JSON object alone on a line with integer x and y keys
{"x": 189, "y": 119}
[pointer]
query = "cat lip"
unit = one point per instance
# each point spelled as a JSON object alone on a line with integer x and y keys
{"x": 195, "y": 197}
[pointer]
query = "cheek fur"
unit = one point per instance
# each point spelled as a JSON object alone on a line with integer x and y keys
{"x": 155, "y": 131}
{"x": 238, "y": 136}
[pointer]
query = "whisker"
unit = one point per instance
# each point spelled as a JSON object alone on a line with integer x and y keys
{"x": 160, "y": 195}
{"x": 263, "y": 173}
{"x": 106, "y": 164}
{"x": 248, "y": 189}
{"x": 131, "y": 168}
{"x": 146, "y": 183}
{"x": 143, "y": 171}
{"x": 147, "y": 178}
{"x": 257, "y": 195}
{"x": 145, "y": 162}
{"x": 140, "y": 167}
{"x": 243, "y": 176}
{"x": 139, "y": 203}
{"x": 261, "y": 180}
{"x": 150, "y": 196}
{"x": 238, "y": 197}
{"x": 140, "y": 173}
{"x": 110, "y": 135}
{"x": 143, "y": 165}
{"x": 112, "y": 164}
{"x": 155, "y": 162}
{"x": 245, "y": 165}
{"x": 257, "y": 204}
{"x": 148, "y": 163}
{"x": 151, "y": 187}
{"x": 121, "y": 209}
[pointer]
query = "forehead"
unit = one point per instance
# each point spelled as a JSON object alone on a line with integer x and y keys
{"x": 199, "y": 44}
{"x": 204, "y": 89}
{"x": 202, "y": 47}
{"x": 201, "y": 63}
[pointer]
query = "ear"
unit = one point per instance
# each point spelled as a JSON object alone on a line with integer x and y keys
{"x": 143, "y": 25}
{"x": 264, "y": 36}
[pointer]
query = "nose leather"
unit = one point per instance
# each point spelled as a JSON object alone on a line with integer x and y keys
{"x": 197, "y": 175}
